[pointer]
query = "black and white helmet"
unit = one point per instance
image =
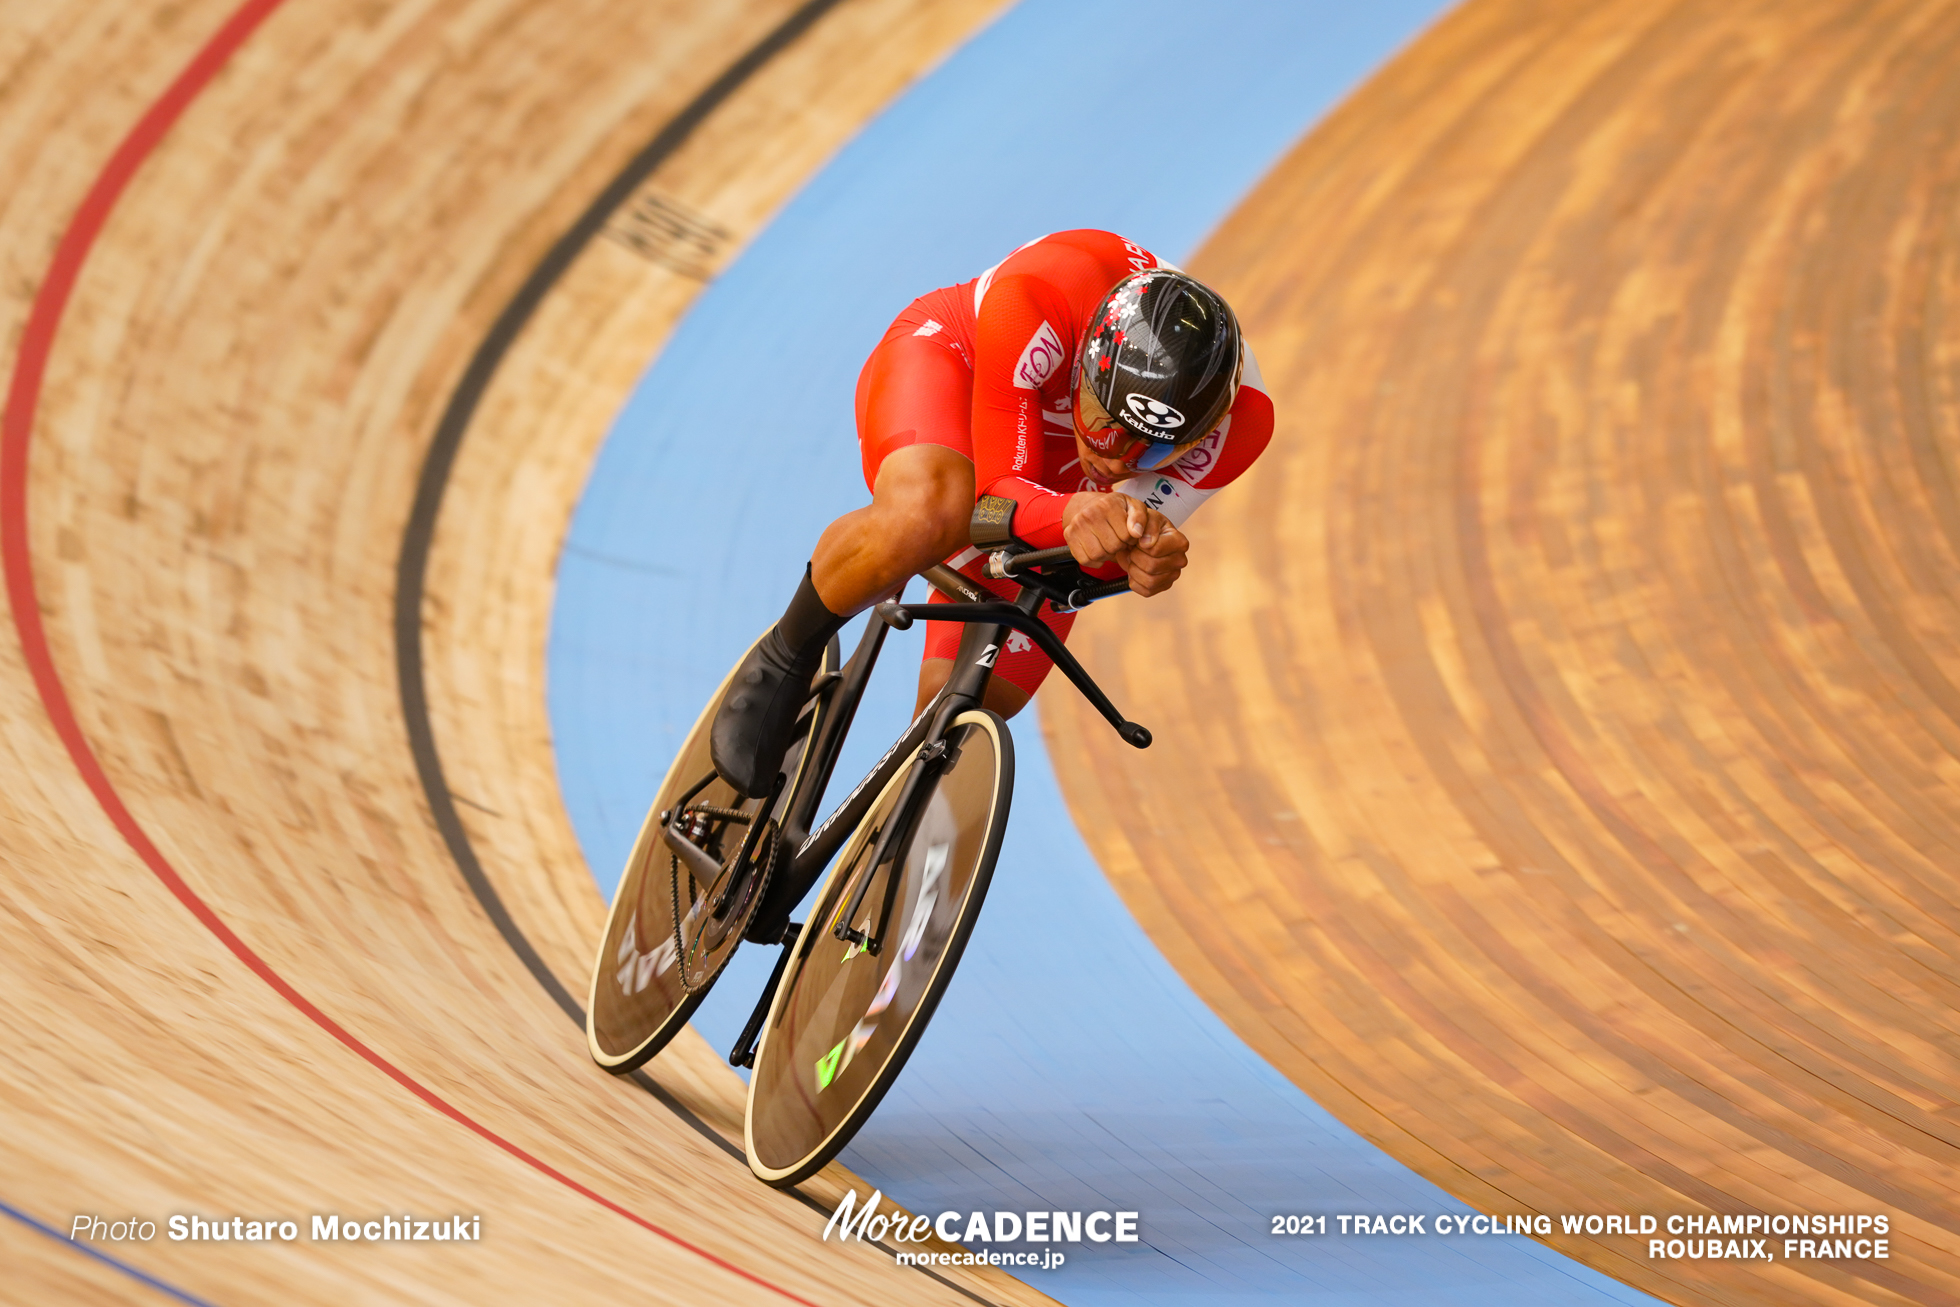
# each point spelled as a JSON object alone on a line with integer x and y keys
{"x": 1159, "y": 364}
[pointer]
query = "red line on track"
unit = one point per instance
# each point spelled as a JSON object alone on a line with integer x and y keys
{"x": 16, "y": 430}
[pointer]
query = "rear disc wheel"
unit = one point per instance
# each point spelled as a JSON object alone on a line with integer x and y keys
{"x": 665, "y": 942}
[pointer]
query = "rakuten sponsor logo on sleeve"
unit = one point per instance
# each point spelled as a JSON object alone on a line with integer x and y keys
{"x": 1040, "y": 360}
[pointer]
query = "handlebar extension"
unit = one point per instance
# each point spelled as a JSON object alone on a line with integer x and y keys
{"x": 900, "y": 617}
{"x": 1003, "y": 563}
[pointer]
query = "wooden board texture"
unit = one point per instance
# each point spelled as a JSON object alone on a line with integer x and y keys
{"x": 228, "y": 444}
{"x": 1563, "y": 718}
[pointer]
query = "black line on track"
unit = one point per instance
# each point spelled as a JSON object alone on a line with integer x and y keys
{"x": 412, "y": 567}
{"x": 411, "y": 571}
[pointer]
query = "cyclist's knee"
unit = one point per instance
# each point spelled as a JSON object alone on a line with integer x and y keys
{"x": 932, "y": 679}
{"x": 1005, "y": 697}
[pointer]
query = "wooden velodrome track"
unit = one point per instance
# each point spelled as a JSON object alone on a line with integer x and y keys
{"x": 1597, "y": 856}
{"x": 224, "y": 461}
{"x": 1594, "y": 849}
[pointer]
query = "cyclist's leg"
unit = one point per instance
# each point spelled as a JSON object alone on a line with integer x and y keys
{"x": 757, "y": 719}
{"x": 914, "y": 412}
{"x": 920, "y": 511}
{"x": 913, "y": 408}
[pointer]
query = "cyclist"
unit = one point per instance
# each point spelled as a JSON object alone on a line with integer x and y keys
{"x": 1102, "y": 393}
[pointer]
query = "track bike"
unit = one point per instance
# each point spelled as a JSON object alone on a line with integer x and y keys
{"x": 909, "y": 854}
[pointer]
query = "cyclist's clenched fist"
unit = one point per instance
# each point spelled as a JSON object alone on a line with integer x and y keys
{"x": 1115, "y": 527}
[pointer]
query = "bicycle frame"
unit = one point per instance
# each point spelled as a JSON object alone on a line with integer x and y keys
{"x": 815, "y": 849}
{"x": 920, "y": 747}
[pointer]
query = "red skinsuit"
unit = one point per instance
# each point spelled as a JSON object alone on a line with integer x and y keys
{"x": 984, "y": 367}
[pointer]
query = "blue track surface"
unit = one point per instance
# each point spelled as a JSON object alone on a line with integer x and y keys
{"x": 1069, "y": 1066}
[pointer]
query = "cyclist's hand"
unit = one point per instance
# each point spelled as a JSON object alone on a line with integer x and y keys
{"x": 1102, "y": 527}
{"x": 1156, "y": 560}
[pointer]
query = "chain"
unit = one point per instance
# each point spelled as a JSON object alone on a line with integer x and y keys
{"x": 763, "y": 870}
{"x": 680, "y": 946}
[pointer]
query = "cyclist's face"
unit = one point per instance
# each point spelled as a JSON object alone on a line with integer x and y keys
{"x": 1099, "y": 466}
{"x": 1108, "y": 451}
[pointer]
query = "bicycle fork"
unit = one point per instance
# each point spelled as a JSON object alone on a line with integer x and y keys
{"x": 979, "y": 647}
{"x": 931, "y": 760}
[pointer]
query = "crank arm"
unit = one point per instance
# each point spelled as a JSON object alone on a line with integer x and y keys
{"x": 726, "y": 899}
{"x": 743, "y": 1054}
{"x": 700, "y": 865}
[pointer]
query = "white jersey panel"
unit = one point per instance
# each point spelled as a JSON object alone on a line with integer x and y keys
{"x": 1173, "y": 490}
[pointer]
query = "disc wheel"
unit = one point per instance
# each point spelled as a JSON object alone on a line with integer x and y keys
{"x": 670, "y": 934}
{"x": 843, "y": 1021}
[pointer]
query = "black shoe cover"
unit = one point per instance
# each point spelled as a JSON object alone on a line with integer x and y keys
{"x": 757, "y": 720}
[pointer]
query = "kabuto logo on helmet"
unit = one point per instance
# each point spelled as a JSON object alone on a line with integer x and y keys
{"x": 1153, "y": 413}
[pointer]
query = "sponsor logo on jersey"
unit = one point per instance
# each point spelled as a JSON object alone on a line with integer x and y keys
{"x": 1153, "y": 413}
{"x": 1195, "y": 462}
{"x": 931, "y": 328}
{"x": 1040, "y": 360}
{"x": 1161, "y": 492}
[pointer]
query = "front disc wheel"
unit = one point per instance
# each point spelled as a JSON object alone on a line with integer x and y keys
{"x": 844, "y": 1020}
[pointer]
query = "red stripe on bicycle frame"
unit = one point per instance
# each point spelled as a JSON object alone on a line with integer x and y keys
{"x": 16, "y": 430}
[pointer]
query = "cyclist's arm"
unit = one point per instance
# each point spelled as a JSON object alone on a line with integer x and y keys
{"x": 1024, "y": 348}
